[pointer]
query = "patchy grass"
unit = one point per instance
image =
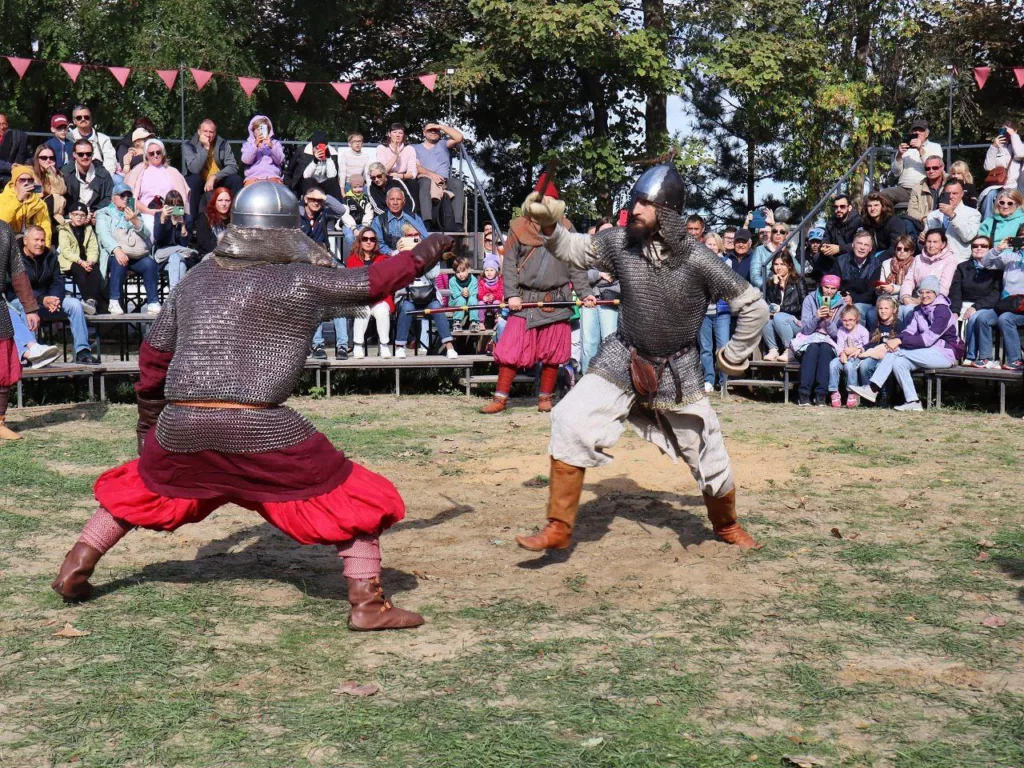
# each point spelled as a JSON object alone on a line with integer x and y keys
{"x": 855, "y": 636}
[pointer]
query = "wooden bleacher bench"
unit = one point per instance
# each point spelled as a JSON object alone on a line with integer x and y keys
{"x": 999, "y": 376}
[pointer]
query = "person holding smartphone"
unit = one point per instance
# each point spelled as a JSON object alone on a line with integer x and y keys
{"x": 908, "y": 164}
{"x": 1008, "y": 257}
{"x": 125, "y": 243}
{"x": 262, "y": 154}
{"x": 21, "y": 206}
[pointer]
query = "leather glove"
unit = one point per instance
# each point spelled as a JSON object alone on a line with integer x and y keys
{"x": 428, "y": 252}
{"x": 149, "y": 412}
{"x": 729, "y": 369}
{"x": 547, "y": 211}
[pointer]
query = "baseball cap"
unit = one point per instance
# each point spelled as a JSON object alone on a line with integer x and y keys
{"x": 121, "y": 188}
{"x": 743, "y": 234}
{"x": 816, "y": 234}
{"x": 140, "y": 133}
{"x": 919, "y": 125}
{"x": 58, "y": 121}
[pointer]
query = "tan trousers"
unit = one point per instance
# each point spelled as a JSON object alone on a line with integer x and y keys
{"x": 589, "y": 421}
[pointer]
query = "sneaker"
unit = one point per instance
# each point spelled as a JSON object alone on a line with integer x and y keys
{"x": 358, "y": 351}
{"x": 341, "y": 353}
{"x": 89, "y": 307}
{"x": 770, "y": 355}
{"x": 318, "y": 352}
{"x": 41, "y": 355}
{"x": 967, "y": 363}
{"x": 400, "y": 353}
{"x": 852, "y": 401}
{"x": 835, "y": 400}
{"x": 86, "y": 357}
{"x": 784, "y": 357}
{"x": 866, "y": 392}
{"x": 451, "y": 352}
{"x": 385, "y": 351}
{"x": 1016, "y": 365}
{"x": 992, "y": 365}
{"x": 803, "y": 402}
{"x": 913, "y": 405}
{"x": 114, "y": 308}
{"x": 151, "y": 309}
{"x": 709, "y": 387}
{"x": 475, "y": 327}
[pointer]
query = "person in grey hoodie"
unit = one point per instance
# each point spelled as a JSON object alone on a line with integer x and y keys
{"x": 929, "y": 340}
{"x": 209, "y": 164}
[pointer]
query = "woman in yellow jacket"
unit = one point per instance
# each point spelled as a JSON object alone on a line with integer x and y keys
{"x": 79, "y": 257}
{"x": 20, "y": 206}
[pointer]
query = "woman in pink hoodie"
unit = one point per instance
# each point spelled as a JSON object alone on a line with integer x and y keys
{"x": 938, "y": 260}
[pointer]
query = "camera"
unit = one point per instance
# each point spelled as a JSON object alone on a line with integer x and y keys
{"x": 1016, "y": 242}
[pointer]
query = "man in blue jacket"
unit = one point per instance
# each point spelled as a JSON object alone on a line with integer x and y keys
{"x": 388, "y": 225}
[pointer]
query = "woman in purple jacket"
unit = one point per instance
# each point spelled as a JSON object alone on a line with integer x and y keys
{"x": 929, "y": 340}
{"x": 262, "y": 154}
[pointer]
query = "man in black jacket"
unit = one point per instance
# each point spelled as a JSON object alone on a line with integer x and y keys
{"x": 313, "y": 219}
{"x": 43, "y": 271}
{"x": 841, "y": 228}
{"x": 209, "y": 163}
{"x": 87, "y": 180}
{"x": 859, "y": 271}
{"x": 13, "y": 150}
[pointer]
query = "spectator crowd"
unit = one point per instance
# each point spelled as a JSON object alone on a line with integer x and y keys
{"x": 923, "y": 273}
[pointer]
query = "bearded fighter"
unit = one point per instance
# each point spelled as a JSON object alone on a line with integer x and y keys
{"x": 649, "y": 372}
{"x": 222, "y": 357}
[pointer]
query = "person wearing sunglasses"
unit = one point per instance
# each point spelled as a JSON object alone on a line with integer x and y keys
{"x": 153, "y": 180}
{"x": 1007, "y": 217}
{"x": 61, "y": 144}
{"x": 1010, "y": 261}
{"x": 960, "y": 221}
{"x": 54, "y": 190}
{"x": 973, "y": 296}
{"x": 86, "y": 179}
{"x": 13, "y": 149}
{"x": 840, "y": 229}
{"x": 761, "y": 259}
{"x": 20, "y": 206}
{"x": 924, "y": 197}
{"x": 103, "y": 149}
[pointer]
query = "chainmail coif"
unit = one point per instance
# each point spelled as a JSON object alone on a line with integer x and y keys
{"x": 242, "y": 336}
{"x": 666, "y": 288}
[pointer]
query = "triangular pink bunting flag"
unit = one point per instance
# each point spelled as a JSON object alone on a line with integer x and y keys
{"x": 1019, "y": 72}
{"x": 20, "y": 65}
{"x": 295, "y": 89}
{"x": 73, "y": 71}
{"x": 169, "y": 76}
{"x": 429, "y": 81}
{"x": 120, "y": 74}
{"x": 388, "y": 86}
{"x": 342, "y": 89}
{"x": 981, "y": 76}
{"x": 202, "y": 77}
{"x": 249, "y": 84}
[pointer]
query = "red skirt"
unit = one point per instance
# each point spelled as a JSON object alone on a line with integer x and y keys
{"x": 522, "y": 348}
{"x": 10, "y": 363}
{"x": 364, "y": 504}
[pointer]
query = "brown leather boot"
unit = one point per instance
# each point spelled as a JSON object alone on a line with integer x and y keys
{"x": 72, "y": 583}
{"x": 372, "y": 611}
{"x": 722, "y": 514}
{"x": 545, "y": 403}
{"x": 564, "y": 488}
{"x": 497, "y": 405}
{"x": 6, "y": 433}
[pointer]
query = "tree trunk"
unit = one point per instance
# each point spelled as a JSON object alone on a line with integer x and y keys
{"x": 656, "y": 114}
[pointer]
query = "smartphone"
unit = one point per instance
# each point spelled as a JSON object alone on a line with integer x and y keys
{"x": 321, "y": 148}
{"x": 907, "y": 138}
{"x": 944, "y": 198}
{"x": 131, "y": 203}
{"x": 38, "y": 189}
{"x": 1002, "y": 132}
{"x": 1015, "y": 242}
{"x": 177, "y": 210}
{"x": 261, "y": 131}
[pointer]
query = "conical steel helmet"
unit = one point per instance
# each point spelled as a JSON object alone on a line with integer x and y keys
{"x": 661, "y": 185}
{"x": 266, "y": 205}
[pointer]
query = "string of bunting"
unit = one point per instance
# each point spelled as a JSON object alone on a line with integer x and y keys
{"x": 202, "y": 77}
{"x": 981, "y": 75}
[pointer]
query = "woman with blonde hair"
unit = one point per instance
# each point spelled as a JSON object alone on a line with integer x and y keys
{"x": 960, "y": 170}
{"x": 48, "y": 176}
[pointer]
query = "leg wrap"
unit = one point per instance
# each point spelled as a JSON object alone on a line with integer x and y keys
{"x": 548, "y": 379}
{"x": 506, "y": 375}
{"x": 360, "y": 557}
{"x": 5, "y": 394}
{"x": 103, "y": 531}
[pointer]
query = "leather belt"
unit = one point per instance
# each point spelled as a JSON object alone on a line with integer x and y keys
{"x": 659, "y": 364}
{"x": 214, "y": 404}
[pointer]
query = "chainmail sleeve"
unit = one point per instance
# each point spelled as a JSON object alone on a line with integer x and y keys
{"x": 164, "y": 333}
{"x": 337, "y": 292}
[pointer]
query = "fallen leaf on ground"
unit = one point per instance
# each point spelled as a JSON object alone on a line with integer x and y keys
{"x": 70, "y": 631}
{"x": 422, "y": 575}
{"x": 993, "y": 622}
{"x": 983, "y": 556}
{"x": 986, "y": 543}
{"x": 752, "y": 758}
{"x": 352, "y": 688}
{"x": 594, "y": 742}
{"x": 837, "y": 533}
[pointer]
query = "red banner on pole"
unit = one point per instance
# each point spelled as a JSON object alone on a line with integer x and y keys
{"x": 201, "y": 77}
{"x": 20, "y": 65}
{"x": 429, "y": 81}
{"x": 981, "y": 76}
{"x": 120, "y": 74}
{"x": 73, "y": 70}
{"x": 169, "y": 76}
{"x": 295, "y": 89}
{"x": 1019, "y": 72}
{"x": 249, "y": 84}
{"x": 342, "y": 89}
{"x": 388, "y": 86}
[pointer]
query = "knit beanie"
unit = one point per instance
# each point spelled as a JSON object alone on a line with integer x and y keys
{"x": 930, "y": 283}
{"x": 491, "y": 261}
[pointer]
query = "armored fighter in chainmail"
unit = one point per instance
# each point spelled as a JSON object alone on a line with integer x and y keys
{"x": 649, "y": 372}
{"x": 225, "y": 352}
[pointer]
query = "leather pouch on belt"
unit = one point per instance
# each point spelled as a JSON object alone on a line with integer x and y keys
{"x": 645, "y": 376}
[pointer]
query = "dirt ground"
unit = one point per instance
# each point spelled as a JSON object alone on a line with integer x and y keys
{"x": 854, "y": 636}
